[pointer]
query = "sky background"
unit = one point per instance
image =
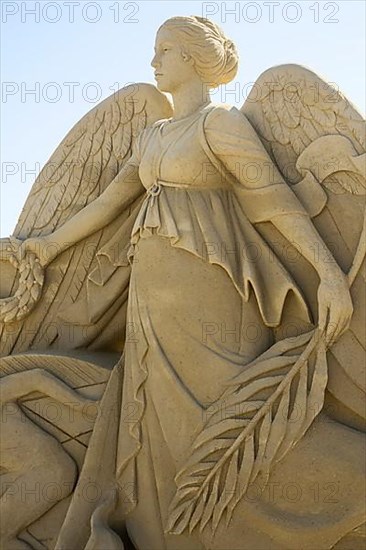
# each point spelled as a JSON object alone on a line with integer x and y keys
{"x": 59, "y": 59}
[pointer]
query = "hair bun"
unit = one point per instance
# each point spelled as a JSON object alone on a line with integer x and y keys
{"x": 215, "y": 55}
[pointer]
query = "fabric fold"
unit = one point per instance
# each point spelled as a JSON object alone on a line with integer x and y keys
{"x": 210, "y": 224}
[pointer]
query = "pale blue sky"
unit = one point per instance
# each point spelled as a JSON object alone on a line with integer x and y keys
{"x": 99, "y": 46}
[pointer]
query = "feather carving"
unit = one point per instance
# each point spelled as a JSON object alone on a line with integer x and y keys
{"x": 83, "y": 165}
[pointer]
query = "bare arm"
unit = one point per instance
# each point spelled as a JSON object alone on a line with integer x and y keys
{"x": 246, "y": 159}
{"x": 260, "y": 186}
{"x": 120, "y": 193}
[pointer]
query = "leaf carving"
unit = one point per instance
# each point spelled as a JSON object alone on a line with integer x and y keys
{"x": 248, "y": 443}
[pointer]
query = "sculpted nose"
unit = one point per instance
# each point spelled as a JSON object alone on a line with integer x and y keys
{"x": 155, "y": 62}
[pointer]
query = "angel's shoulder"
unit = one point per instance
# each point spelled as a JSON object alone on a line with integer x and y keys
{"x": 148, "y": 132}
{"x": 226, "y": 118}
{"x": 151, "y": 129}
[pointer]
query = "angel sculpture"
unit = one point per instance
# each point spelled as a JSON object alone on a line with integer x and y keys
{"x": 221, "y": 251}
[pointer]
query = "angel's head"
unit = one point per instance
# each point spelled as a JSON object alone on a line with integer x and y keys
{"x": 191, "y": 48}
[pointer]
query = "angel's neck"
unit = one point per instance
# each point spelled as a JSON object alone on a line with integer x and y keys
{"x": 188, "y": 100}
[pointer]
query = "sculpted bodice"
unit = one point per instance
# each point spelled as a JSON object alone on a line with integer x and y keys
{"x": 171, "y": 151}
{"x": 191, "y": 170}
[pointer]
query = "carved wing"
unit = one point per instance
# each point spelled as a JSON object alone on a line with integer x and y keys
{"x": 72, "y": 312}
{"x": 317, "y": 139}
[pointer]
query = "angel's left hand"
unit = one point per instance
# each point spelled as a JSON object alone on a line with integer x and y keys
{"x": 334, "y": 305}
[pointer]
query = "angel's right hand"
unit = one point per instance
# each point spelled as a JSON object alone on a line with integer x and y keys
{"x": 42, "y": 247}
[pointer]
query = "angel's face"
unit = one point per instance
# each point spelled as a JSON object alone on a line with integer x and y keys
{"x": 173, "y": 67}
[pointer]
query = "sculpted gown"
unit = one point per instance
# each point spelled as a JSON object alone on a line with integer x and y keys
{"x": 205, "y": 295}
{"x": 193, "y": 319}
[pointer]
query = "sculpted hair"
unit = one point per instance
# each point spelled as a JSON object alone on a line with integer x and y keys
{"x": 215, "y": 56}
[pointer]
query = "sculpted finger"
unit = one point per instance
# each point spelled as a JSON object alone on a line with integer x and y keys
{"x": 332, "y": 331}
{"x": 345, "y": 325}
{"x": 323, "y": 315}
{"x": 341, "y": 327}
{"x": 344, "y": 320}
{"x": 330, "y": 339}
{"x": 20, "y": 252}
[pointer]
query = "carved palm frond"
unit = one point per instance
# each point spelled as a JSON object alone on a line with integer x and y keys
{"x": 264, "y": 412}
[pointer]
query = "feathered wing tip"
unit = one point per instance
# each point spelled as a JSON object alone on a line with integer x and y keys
{"x": 102, "y": 535}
